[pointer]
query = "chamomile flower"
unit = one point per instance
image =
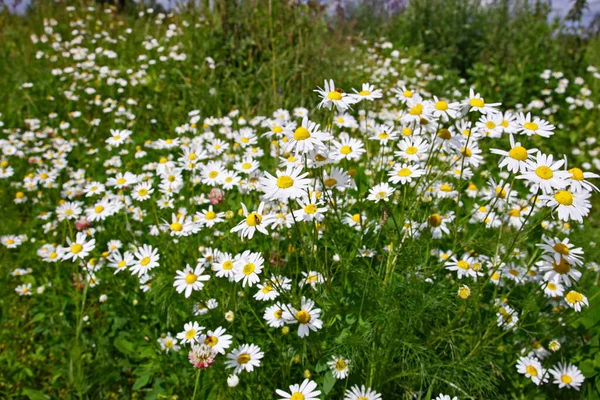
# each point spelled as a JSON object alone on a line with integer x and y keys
{"x": 168, "y": 343}
{"x": 405, "y": 173}
{"x": 248, "y": 267}
{"x": 304, "y": 391}
{"x": 311, "y": 208}
{"x": 537, "y": 126}
{"x": 146, "y": 258}
{"x": 515, "y": 160}
{"x": 567, "y": 375}
{"x": 142, "y": 191}
{"x": 465, "y": 267}
{"x": 570, "y": 206}
{"x": 190, "y": 279}
{"x": 80, "y": 248}
{"x": 217, "y": 340}
{"x": 413, "y": 149}
{"x": 244, "y": 358}
{"x": 290, "y": 184}
{"x": 476, "y": 103}
{"x": 578, "y": 182}
{"x": 562, "y": 249}
{"x": 191, "y": 332}
{"x": 367, "y": 92}
{"x": 224, "y": 265}
{"x": 349, "y": 149}
{"x": 361, "y": 393}
{"x": 209, "y": 218}
{"x": 339, "y": 367}
{"x": 546, "y": 173}
{"x": 253, "y": 222}
{"x": 382, "y": 191}
{"x": 307, "y": 317}
{"x": 532, "y": 369}
{"x": 576, "y": 300}
{"x": 274, "y": 315}
{"x": 24, "y": 290}
{"x": 306, "y": 138}
{"x": 331, "y": 96}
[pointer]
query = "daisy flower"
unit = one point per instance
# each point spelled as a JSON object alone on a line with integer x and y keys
{"x": 248, "y": 267}
{"x": 244, "y": 358}
{"x": 576, "y": 300}
{"x": 274, "y": 315}
{"x": 224, "y": 265}
{"x": 80, "y": 248}
{"x": 516, "y": 158}
{"x": 476, "y": 103}
{"x": 445, "y": 397}
{"x": 367, "y": 92}
{"x": 120, "y": 262}
{"x": 404, "y": 173}
{"x": 209, "y": 218}
{"x": 382, "y": 191}
{"x": 546, "y": 173}
{"x": 254, "y": 221}
{"x": 306, "y": 138}
{"x": 118, "y": 137}
{"x": 330, "y": 96}
{"x": 532, "y": 369}
{"x": 567, "y": 375}
{"x": 562, "y": 249}
{"x": 412, "y": 149}
{"x": 290, "y": 184}
{"x": 570, "y": 205}
{"x": 526, "y": 126}
{"x": 168, "y": 343}
{"x": 339, "y": 367}
{"x": 217, "y": 340}
{"x": 304, "y": 391}
{"x": 142, "y": 191}
{"x": 24, "y": 290}
{"x": 191, "y": 332}
{"x": 337, "y": 178}
{"x": 463, "y": 267}
{"x": 443, "y": 109}
{"x": 361, "y": 393}
{"x": 307, "y": 317}
{"x": 311, "y": 208}
{"x": 188, "y": 280}
{"x": 578, "y": 181}
{"x": 349, "y": 149}
{"x": 146, "y": 259}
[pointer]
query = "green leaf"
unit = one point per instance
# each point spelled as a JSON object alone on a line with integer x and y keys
{"x": 328, "y": 382}
{"x": 35, "y": 394}
{"x": 123, "y": 345}
{"x": 141, "y": 381}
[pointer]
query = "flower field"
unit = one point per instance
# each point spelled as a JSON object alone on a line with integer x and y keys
{"x": 199, "y": 207}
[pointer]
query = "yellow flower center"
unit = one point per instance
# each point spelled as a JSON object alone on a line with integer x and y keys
{"x": 248, "y": 269}
{"x": 406, "y": 131}
{"x": 434, "y": 220}
{"x": 515, "y": 212}
{"x": 285, "y": 182}
{"x": 340, "y": 365}
{"x": 190, "y": 334}
{"x": 301, "y": 133}
{"x": 466, "y": 152}
{"x": 145, "y": 261}
{"x": 246, "y": 166}
{"x": 76, "y": 248}
{"x": 228, "y": 265}
{"x": 564, "y": 198}
{"x": 500, "y": 192}
{"x": 356, "y": 218}
{"x": 253, "y": 219}
{"x": 278, "y": 129}
{"x": 310, "y": 209}
{"x": 574, "y": 297}
{"x": 210, "y": 215}
{"x": 335, "y": 96}
{"x": 518, "y": 153}
{"x": 404, "y": 172}
{"x": 303, "y": 317}
{"x": 176, "y": 226}
{"x": 566, "y": 379}
{"x": 329, "y": 182}
{"x": 576, "y": 174}
{"x": 490, "y": 125}
{"x": 267, "y": 289}
{"x": 211, "y": 341}
{"x": 411, "y": 150}
{"x": 544, "y": 172}
{"x": 416, "y": 110}
{"x": 142, "y": 192}
{"x": 477, "y": 103}
{"x": 462, "y": 264}
{"x": 243, "y": 358}
{"x": 408, "y": 93}
{"x": 213, "y": 174}
{"x": 531, "y": 370}
{"x": 346, "y": 150}
{"x": 562, "y": 267}
{"x": 383, "y": 135}
{"x": 191, "y": 278}
{"x": 121, "y": 181}
{"x": 441, "y": 105}
{"x": 122, "y": 264}
{"x": 297, "y": 396}
{"x": 364, "y": 92}
{"x": 446, "y": 188}
{"x": 98, "y": 209}
{"x": 560, "y": 248}
{"x": 444, "y": 134}
{"x": 532, "y": 126}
